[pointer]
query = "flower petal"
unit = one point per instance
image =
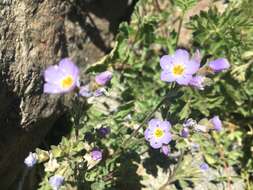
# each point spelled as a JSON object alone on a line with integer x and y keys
{"x": 52, "y": 89}
{"x": 197, "y": 82}
{"x": 154, "y": 122}
{"x": 56, "y": 181}
{"x": 185, "y": 132}
{"x": 148, "y": 134}
{"x": 85, "y": 91}
{"x": 165, "y": 125}
{"x": 166, "y": 62}
{"x": 30, "y": 160}
{"x": 191, "y": 67}
{"x": 53, "y": 75}
{"x": 181, "y": 56}
{"x": 69, "y": 68}
{"x": 165, "y": 150}
{"x": 155, "y": 144}
{"x": 184, "y": 80}
{"x": 166, "y": 138}
{"x": 204, "y": 166}
{"x": 219, "y": 64}
{"x": 103, "y": 78}
{"x": 167, "y": 76}
{"x": 217, "y": 124}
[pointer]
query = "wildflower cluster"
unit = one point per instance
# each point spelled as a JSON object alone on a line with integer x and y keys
{"x": 184, "y": 70}
{"x": 159, "y": 136}
{"x": 178, "y": 67}
{"x": 64, "y": 78}
{"x": 141, "y": 114}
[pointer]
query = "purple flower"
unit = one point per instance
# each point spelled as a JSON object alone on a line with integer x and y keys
{"x": 216, "y": 123}
{"x": 158, "y": 133}
{"x": 185, "y": 132}
{"x": 219, "y": 65}
{"x": 30, "y": 160}
{"x": 103, "y": 78}
{"x": 85, "y": 91}
{"x": 178, "y": 67}
{"x": 96, "y": 154}
{"x": 165, "y": 150}
{"x": 204, "y": 166}
{"x": 197, "y": 82}
{"x": 56, "y": 182}
{"x": 103, "y": 131}
{"x": 61, "y": 78}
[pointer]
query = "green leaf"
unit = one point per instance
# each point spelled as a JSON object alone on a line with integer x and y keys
{"x": 209, "y": 159}
{"x": 98, "y": 185}
{"x": 184, "y": 4}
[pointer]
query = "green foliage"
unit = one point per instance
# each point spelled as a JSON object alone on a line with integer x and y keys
{"x": 223, "y": 34}
{"x": 136, "y": 89}
{"x": 184, "y": 5}
{"x": 228, "y": 34}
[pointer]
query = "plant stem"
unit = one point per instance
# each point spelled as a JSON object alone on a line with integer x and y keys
{"x": 172, "y": 176}
{"x": 145, "y": 120}
{"x": 157, "y": 5}
{"x": 148, "y": 117}
{"x": 117, "y": 153}
{"x": 76, "y": 133}
{"x": 180, "y": 28}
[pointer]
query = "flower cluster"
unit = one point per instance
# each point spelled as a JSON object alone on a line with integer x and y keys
{"x": 213, "y": 124}
{"x": 179, "y": 67}
{"x": 64, "y": 78}
{"x": 101, "y": 80}
{"x": 159, "y": 136}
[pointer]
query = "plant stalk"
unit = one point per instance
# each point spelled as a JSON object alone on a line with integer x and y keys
{"x": 179, "y": 28}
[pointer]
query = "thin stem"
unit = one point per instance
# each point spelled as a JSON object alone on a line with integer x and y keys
{"x": 180, "y": 28}
{"x": 157, "y": 5}
{"x": 172, "y": 176}
{"x": 77, "y": 133}
{"x": 135, "y": 132}
{"x": 248, "y": 182}
{"x": 148, "y": 117}
{"x": 117, "y": 153}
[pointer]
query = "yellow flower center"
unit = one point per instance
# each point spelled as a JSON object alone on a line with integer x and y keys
{"x": 67, "y": 82}
{"x": 158, "y": 133}
{"x": 178, "y": 69}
